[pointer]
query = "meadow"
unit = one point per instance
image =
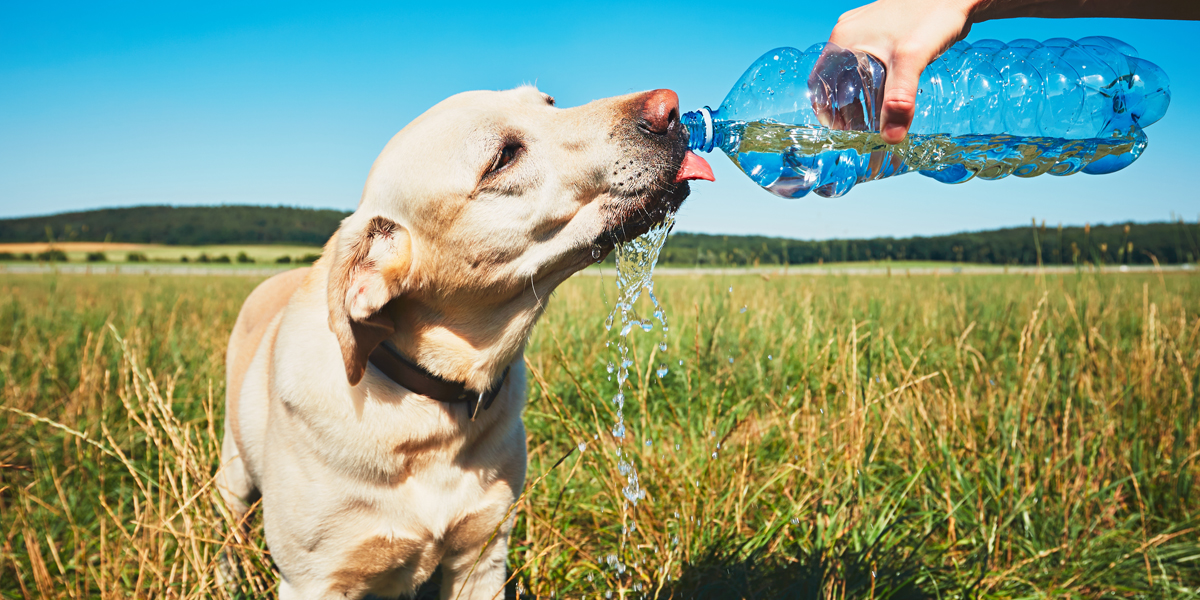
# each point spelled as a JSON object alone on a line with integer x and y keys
{"x": 990, "y": 436}
{"x": 109, "y": 253}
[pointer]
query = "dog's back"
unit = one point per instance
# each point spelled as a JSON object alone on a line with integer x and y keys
{"x": 264, "y": 304}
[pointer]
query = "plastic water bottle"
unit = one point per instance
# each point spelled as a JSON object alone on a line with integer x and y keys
{"x": 807, "y": 121}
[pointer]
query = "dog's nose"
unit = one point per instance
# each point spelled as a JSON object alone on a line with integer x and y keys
{"x": 660, "y": 109}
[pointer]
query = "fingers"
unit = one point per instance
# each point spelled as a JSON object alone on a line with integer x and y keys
{"x": 905, "y": 35}
{"x": 900, "y": 96}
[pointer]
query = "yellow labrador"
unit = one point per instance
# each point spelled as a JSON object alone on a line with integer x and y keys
{"x": 374, "y": 400}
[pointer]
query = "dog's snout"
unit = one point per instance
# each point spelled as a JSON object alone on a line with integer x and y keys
{"x": 659, "y": 110}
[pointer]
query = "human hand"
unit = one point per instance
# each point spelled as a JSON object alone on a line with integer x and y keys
{"x": 905, "y": 35}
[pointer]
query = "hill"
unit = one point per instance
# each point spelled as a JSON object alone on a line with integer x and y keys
{"x": 179, "y": 225}
{"x": 1126, "y": 243}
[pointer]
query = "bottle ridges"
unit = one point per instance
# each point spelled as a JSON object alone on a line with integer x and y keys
{"x": 1057, "y": 88}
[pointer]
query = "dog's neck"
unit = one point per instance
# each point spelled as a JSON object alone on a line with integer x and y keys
{"x": 471, "y": 347}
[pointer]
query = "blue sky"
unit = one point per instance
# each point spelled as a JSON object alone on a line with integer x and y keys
{"x": 289, "y": 103}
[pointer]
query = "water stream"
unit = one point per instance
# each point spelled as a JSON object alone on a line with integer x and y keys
{"x": 635, "y": 271}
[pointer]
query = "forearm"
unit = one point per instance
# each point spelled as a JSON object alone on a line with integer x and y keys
{"x": 987, "y": 10}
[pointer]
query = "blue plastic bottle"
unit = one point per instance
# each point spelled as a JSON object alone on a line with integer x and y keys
{"x": 805, "y": 121}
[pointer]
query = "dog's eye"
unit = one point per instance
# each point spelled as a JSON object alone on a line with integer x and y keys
{"x": 507, "y": 154}
{"x": 550, "y": 100}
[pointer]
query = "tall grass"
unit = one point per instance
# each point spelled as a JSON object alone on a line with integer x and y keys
{"x": 982, "y": 436}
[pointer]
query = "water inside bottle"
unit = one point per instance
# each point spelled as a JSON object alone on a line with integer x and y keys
{"x": 792, "y": 160}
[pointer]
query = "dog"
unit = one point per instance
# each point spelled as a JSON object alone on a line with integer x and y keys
{"x": 374, "y": 400}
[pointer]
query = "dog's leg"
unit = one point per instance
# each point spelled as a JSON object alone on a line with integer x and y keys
{"x": 233, "y": 481}
{"x": 289, "y": 592}
{"x": 486, "y": 581}
{"x": 238, "y": 491}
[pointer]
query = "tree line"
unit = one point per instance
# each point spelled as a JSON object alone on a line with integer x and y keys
{"x": 1171, "y": 242}
{"x": 180, "y": 225}
{"x": 1125, "y": 243}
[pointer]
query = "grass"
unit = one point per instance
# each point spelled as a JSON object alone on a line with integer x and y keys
{"x": 265, "y": 254}
{"x": 842, "y": 437}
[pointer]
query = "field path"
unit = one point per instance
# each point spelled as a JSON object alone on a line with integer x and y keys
{"x": 773, "y": 271}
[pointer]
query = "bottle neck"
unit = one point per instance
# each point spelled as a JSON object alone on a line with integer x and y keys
{"x": 701, "y": 131}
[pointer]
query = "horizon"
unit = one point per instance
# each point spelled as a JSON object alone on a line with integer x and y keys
{"x": 1174, "y": 219}
{"x": 289, "y": 105}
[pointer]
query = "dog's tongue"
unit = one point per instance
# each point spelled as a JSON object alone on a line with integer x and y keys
{"x": 694, "y": 167}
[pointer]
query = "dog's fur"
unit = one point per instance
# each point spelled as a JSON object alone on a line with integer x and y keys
{"x": 469, "y": 219}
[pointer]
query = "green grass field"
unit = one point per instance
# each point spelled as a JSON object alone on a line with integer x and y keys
{"x": 842, "y": 437}
{"x": 119, "y": 253}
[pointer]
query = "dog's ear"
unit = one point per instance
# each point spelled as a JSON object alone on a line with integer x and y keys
{"x": 370, "y": 266}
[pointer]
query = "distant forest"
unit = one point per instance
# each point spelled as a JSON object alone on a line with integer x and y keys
{"x": 1133, "y": 243}
{"x": 179, "y": 225}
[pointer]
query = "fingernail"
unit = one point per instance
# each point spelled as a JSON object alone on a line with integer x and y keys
{"x": 893, "y": 133}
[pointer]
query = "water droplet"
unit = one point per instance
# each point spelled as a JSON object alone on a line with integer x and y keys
{"x": 662, "y": 370}
{"x": 681, "y": 362}
{"x": 676, "y": 446}
{"x": 608, "y": 323}
{"x": 596, "y": 253}
{"x": 731, "y": 360}
{"x": 647, "y": 326}
{"x": 795, "y": 521}
{"x": 582, "y": 446}
{"x": 769, "y": 357}
{"x": 743, "y": 310}
{"x": 619, "y": 431}
{"x": 662, "y": 346}
{"x": 610, "y": 367}
{"x": 714, "y": 455}
{"x": 649, "y": 443}
{"x": 731, "y": 289}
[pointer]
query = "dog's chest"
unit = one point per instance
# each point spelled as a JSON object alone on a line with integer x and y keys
{"x": 402, "y": 534}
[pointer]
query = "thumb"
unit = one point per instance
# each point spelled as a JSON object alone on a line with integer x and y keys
{"x": 899, "y": 97}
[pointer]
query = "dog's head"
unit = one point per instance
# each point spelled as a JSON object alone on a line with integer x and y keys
{"x": 480, "y": 207}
